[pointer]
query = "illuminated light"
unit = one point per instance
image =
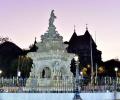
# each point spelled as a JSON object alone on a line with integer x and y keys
{"x": 88, "y": 66}
{"x": 0, "y": 71}
{"x": 116, "y": 69}
{"x": 76, "y": 58}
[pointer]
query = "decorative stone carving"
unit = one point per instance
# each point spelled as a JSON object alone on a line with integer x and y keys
{"x": 51, "y": 62}
{"x": 52, "y": 18}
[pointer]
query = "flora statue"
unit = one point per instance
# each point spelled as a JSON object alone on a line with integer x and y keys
{"x": 51, "y": 20}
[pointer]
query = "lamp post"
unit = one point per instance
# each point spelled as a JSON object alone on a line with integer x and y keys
{"x": 18, "y": 78}
{"x": 77, "y": 95}
{"x": 1, "y": 78}
{"x": 116, "y": 70}
{"x": 96, "y": 75}
{"x": 0, "y": 73}
{"x": 19, "y": 74}
{"x": 115, "y": 92}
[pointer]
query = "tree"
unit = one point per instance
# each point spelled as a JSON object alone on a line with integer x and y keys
{"x": 23, "y": 64}
{"x": 4, "y": 39}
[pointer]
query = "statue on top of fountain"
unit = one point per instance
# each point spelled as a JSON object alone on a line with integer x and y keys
{"x": 51, "y": 33}
{"x": 52, "y": 18}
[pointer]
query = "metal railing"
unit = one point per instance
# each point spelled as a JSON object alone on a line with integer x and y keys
{"x": 103, "y": 84}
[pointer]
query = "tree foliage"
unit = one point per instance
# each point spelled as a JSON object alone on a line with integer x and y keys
{"x": 4, "y": 39}
{"x": 23, "y": 64}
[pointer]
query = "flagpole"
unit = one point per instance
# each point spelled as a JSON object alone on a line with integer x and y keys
{"x": 96, "y": 73}
{"x": 91, "y": 53}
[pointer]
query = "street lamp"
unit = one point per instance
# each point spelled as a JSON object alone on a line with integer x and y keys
{"x": 81, "y": 73}
{"x": 77, "y": 95}
{"x": 1, "y": 78}
{"x": 18, "y": 78}
{"x": 116, "y": 70}
{"x": 19, "y": 74}
{"x": 0, "y": 72}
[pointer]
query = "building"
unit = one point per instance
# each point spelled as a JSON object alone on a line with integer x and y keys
{"x": 109, "y": 68}
{"x": 84, "y": 46}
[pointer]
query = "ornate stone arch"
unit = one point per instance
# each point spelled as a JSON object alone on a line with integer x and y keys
{"x": 46, "y": 72}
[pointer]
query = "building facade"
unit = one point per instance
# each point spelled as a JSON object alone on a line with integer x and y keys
{"x": 85, "y": 47}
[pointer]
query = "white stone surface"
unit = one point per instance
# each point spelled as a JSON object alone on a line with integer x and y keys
{"x": 57, "y": 96}
{"x": 51, "y": 62}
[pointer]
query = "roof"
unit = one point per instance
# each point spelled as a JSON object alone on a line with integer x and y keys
{"x": 82, "y": 39}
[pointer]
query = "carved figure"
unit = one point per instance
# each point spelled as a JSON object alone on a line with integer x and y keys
{"x": 52, "y": 18}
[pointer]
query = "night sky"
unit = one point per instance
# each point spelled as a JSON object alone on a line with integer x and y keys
{"x": 23, "y": 20}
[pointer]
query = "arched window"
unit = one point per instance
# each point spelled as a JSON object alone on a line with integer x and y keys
{"x": 46, "y": 72}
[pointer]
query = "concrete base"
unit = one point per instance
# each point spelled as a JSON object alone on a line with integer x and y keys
{"x": 57, "y": 96}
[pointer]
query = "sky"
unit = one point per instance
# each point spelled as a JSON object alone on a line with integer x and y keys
{"x": 23, "y": 20}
